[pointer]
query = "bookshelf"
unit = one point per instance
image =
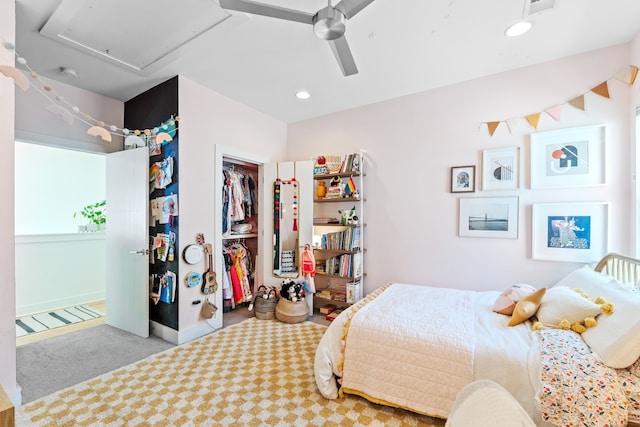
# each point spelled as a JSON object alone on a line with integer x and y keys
{"x": 338, "y": 230}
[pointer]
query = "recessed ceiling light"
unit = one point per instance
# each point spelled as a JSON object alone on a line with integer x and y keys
{"x": 518, "y": 28}
{"x": 303, "y": 94}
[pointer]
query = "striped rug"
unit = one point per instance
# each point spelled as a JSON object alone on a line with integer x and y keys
{"x": 54, "y": 319}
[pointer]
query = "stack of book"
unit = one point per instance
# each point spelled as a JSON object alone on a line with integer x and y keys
{"x": 327, "y": 308}
{"x": 350, "y": 163}
{"x": 347, "y": 265}
{"x": 345, "y": 240}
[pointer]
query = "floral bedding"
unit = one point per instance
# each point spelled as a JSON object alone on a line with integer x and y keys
{"x": 576, "y": 388}
{"x": 630, "y": 380}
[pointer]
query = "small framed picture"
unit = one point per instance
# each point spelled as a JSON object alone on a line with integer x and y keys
{"x": 573, "y": 232}
{"x": 489, "y": 217}
{"x": 568, "y": 157}
{"x": 501, "y": 169}
{"x": 463, "y": 179}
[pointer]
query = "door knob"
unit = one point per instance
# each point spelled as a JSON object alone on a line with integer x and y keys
{"x": 140, "y": 252}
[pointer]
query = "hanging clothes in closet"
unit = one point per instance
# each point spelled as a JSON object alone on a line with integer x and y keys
{"x": 237, "y": 286}
{"x": 239, "y": 198}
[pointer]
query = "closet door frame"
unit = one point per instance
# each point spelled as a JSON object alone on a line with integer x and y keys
{"x": 223, "y": 153}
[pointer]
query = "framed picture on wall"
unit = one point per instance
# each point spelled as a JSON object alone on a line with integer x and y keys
{"x": 572, "y": 232}
{"x": 489, "y": 217}
{"x": 463, "y": 179}
{"x": 501, "y": 169}
{"x": 568, "y": 157}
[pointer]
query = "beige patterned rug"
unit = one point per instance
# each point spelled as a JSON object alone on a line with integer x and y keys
{"x": 255, "y": 373}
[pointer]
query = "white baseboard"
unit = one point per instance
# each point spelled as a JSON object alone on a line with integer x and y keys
{"x": 15, "y": 395}
{"x": 185, "y": 335}
{"x": 201, "y": 329}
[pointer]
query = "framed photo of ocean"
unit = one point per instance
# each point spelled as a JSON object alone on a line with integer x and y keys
{"x": 489, "y": 217}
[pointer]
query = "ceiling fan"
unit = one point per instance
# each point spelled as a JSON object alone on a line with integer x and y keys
{"x": 329, "y": 23}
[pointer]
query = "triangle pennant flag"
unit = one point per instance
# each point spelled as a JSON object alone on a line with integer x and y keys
{"x": 578, "y": 102}
{"x": 533, "y": 119}
{"x": 492, "y": 127}
{"x": 634, "y": 74}
{"x": 602, "y": 89}
{"x": 512, "y": 124}
{"x": 628, "y": 75}
{"x": 554, "y": 112}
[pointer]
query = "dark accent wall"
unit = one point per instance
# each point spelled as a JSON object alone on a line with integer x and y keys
{"x": 147, "y": 111}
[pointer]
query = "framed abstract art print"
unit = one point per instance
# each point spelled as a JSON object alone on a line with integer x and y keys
{"x": 568, "y": 157}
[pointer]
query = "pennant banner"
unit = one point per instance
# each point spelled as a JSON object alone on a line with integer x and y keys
{"x": 602, "y": 89}
{"x": 627, "y": 75}
{"x": 492, "y": 127}
{"x": 533, "y": 119}
{"x": 512, "y": 124}
{"x": 554, "y": 112}
{"x": 578, "y": 102}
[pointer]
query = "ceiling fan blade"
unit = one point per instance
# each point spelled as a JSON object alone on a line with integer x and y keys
{"x": 257, "y": 8}
{"x": 341, "y": 50}
{"x": 350, "y": 7}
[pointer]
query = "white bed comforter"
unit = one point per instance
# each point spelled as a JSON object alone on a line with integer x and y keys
{"x": 478, "y": 345}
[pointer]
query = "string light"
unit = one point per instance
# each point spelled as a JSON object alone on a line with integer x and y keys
{"x": 68, "y": 112}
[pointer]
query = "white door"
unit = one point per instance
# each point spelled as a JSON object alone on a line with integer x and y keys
{"x": 127, "y": 241}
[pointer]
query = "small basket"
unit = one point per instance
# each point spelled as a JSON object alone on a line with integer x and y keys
{"x": 292, "y": 312}
{"x": 265, "y": 308}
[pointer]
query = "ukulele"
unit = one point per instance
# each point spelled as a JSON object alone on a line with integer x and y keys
{"x": 209, "y": 284}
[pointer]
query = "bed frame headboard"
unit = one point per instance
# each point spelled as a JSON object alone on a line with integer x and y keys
{"x": 622, "y": 268}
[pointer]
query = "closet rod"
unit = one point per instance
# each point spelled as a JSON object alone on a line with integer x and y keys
{"x": 237, "y": 162}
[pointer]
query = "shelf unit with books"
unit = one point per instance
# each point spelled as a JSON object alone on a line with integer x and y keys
{"x": 338, "y": 230}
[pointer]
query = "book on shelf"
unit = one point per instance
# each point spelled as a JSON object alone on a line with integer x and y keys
{"x": 326, "y": 220}
{"x": 327, "y": 308}
{"x": 344, "y": 240}
{"x": 354, "y": 291}
{"x": 331, "y": 316}
{"x": 351, "y": 163}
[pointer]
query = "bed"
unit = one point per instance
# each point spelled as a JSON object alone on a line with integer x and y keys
{"x": 416, "y": 347}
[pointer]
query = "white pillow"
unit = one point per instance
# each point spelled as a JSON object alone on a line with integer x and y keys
{"x": 561, "y": 303}
{"x": 583, "y": 275}
{"x": 616, "y": 338}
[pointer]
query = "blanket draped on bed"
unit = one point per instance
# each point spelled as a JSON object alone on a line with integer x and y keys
{"x": 577, "y": 389}
{"x": 400, "y": 357}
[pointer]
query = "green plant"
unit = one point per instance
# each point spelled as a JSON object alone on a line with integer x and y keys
{"x": 95, "y": 213}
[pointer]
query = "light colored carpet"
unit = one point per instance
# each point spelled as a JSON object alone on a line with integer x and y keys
{"x": 46, "y": 366}
{"x": 255, "y": 373}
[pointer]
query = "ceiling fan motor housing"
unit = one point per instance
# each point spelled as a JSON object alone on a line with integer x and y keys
{"x": 329, "y": 23}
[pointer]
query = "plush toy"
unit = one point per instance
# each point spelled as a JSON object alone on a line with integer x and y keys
{"x": 292, "y": 291}
{"x": 507, "y": 300}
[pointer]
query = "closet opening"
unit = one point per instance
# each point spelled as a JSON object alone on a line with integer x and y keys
{"x": 240, "y": 232}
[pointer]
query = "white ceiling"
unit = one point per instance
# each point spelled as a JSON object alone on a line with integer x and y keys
{"x": 400, "y": 47}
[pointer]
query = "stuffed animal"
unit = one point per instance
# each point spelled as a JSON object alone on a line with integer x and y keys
{"x": 292, "y": 291}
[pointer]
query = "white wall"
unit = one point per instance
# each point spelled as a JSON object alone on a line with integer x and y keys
{"x": 634, "y": 48}
{"x": 7, "y": 253}
{"x": 412, "y": 218}
{"x": 209, "y": 119}
{"x": 23, "y": 116}
{"x": 52, "y": 184}
{"x": 59, "y": 270}
{"x": 35, "y": 123}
